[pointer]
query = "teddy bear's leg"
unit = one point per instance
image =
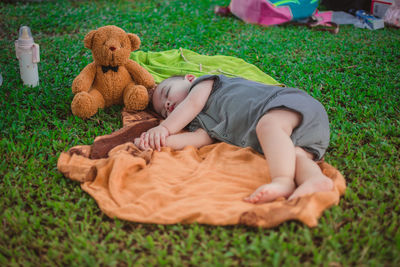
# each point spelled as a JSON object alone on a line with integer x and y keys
{"x": 136, "y": 97}
{"x": 86, "y": 104}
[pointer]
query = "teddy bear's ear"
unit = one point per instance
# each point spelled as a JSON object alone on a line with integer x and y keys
{"x": 135, "y": 41}
{"x": 88, "y": 41}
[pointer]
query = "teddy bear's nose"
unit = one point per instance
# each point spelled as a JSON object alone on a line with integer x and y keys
{"x": 112, "y": 48}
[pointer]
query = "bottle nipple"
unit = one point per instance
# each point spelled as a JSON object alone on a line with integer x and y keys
{"x": 25, "y": 33}
{"x": 25, "y": 39}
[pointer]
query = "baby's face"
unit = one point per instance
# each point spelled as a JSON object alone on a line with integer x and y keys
{"x": 170, "y": 93}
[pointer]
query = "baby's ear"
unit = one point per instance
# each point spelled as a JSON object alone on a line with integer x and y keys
{"x": 88, "y": 41}
{"x": 190, "y": 77}
{"x": 135, "y": 41}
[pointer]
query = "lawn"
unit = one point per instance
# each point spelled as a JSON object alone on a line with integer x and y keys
{"x": 48, "y": 220}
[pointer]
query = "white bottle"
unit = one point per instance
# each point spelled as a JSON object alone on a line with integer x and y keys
{"x": 27, "y": 53}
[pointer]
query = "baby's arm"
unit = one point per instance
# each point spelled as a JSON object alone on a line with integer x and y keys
{"x": 181, "y": 116}
{"x": 189, "y": 108}
{"x": 197, "y": 139}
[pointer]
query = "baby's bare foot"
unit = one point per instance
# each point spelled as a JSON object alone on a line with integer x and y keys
{"x": 313, "y": 185}
{"x": 272, "y": 191}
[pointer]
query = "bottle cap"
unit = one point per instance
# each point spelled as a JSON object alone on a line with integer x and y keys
{"x": 25, "y": 37}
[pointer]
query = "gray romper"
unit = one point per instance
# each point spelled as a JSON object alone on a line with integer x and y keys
{"x": 235, "y": 106}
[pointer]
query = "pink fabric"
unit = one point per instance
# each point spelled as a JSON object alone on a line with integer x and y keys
{"x": 323, "y": 17}
{"x": 260, "y": 12}
{"x": 264, "y": 13}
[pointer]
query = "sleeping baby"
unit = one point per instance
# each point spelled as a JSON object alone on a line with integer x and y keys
{"x": 287, "y": 125}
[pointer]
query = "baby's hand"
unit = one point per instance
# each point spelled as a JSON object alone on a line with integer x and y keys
{"x": 137, "y": 142}
{"x": 154, "y": 138}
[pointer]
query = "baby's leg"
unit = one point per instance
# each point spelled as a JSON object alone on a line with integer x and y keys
{"x": 273, "y": 132}
{"x": 309, "y": 176}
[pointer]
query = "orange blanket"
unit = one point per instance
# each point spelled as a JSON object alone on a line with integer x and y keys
{"x": 204, "y": 185}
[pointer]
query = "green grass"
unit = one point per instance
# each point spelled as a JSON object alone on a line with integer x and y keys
{"x": 48, "y": 220}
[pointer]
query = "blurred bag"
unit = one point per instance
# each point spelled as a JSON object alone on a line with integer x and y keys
{"x": 273, "y": 12}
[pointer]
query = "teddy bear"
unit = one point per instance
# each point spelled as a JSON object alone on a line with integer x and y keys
{"x": 112, "y": 78}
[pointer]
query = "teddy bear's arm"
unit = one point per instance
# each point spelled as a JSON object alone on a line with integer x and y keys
{"x": 139, "y": 74}
{"x": 84, "y": 80}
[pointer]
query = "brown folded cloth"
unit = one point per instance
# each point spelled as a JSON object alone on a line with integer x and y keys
{"x": 134, "y": 124}
{"x": 205, "y": 185}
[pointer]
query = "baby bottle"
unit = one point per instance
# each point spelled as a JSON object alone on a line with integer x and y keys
{"x": 27, "y": 53}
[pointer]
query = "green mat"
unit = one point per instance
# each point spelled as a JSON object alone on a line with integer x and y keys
{"x": 182, "y": 61}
